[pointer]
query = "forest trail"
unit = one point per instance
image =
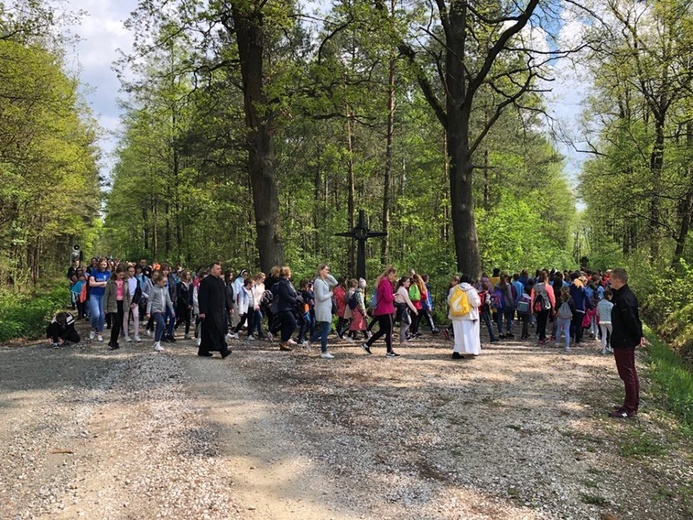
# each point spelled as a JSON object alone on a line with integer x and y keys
{"x": 519, "y": 433}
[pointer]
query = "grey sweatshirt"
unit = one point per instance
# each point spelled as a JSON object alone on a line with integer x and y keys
{"x": 158, "y": 300}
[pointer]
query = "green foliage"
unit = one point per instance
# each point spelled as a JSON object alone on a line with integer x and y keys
{"x": 26, "y": 316}
{"x": 672, "y": 380}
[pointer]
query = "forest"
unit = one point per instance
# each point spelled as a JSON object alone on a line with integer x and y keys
{"x": 254, "y": 131}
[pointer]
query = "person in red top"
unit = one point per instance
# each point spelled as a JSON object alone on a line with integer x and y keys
{"x": 339, "y": 293}
{"x": 384, "y": 310}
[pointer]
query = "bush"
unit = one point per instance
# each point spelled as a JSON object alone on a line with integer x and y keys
{"x": 26, "y": 316}
{"x": 671, "y": 380}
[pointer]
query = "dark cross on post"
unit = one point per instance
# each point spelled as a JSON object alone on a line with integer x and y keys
{"x": 361, "y": 233}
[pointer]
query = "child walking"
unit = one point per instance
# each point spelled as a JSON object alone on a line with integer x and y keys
{"x": 604, "y": 314}
{"x": 564, "y": 316}
{"x": 158, "y": 303}
{"x": 116, "y": 299}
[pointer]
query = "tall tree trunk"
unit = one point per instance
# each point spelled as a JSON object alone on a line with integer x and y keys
{"x": 259, "y": 119}
{"x": 458, "y": 105}
{"x": 656, "y": 165}
{"x": 351, "y": 188}
{"x": 686, "y": 205}
{"x": 391, "y": 99}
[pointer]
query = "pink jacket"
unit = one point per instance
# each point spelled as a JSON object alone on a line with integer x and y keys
{"x": 385, "y": 298}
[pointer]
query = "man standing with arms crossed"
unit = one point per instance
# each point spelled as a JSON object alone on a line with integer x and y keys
{"x": 625, "y": 338}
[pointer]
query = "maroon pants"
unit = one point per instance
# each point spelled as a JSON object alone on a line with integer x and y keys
{"x": 625, "y": 363}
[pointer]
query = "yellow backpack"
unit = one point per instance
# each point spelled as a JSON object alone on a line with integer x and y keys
{"x": 459, "y": 302}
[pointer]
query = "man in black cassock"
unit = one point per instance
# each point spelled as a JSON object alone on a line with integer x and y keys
{"x": 213, "y": 310}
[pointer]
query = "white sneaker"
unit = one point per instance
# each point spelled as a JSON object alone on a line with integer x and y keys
{"x": 99, "y": 338}
{"x": 326, "y": 355}
{"x": 291, "y": 342}
{"x": 369, "y": 334}
{"x": 137, "y": 339}
{"x": 306, "y": 344}
{"x": 232, "y": 336}
{"x": 92, "y": 334}
{"x": 251, "y": 338}
{"x": 149, "y": 333}
{"x": 270, "y": 336}
{"x": 158, "y": 347}
{"x": 128, "y": 339}
{"x": 350, "y": 340}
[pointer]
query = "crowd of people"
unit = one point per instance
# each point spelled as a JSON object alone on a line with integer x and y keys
{"x": 219, "y": 306}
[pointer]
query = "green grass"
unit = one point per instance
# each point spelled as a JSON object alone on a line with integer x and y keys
{"x": 26, "y": 316}
{"x": 640, "y": 445}
{"x": 594, "y": 500}
{"x": 672, "y": 381}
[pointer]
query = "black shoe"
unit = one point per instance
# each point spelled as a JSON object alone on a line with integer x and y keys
{"x": 171, "y": 339}
{"x": 204, "y": 354}
{"x": 113, "y": 346}
{"x": 165, "y": 339}
{"x": 365, "y": 347}
{"x": 226, "y": 353}
{"x": 457, "y": 355}
{"x": 392, "y": 353}
{"x": 509, "y": 335}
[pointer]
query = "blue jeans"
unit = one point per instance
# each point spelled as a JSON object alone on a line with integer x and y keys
{"x": 563, "y": 324}
{"x": 257, "y": 323}
{"x": 170, "y": 320}
{"x": 160, "y": 322}
{"x": 98, "y": 316}
{"x": 322, "y": 330}
{"x": 486, "y": 318}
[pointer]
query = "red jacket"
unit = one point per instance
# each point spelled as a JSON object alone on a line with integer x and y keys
{"x": 385, "y": 298}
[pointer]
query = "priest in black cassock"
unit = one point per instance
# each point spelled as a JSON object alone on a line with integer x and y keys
{"x": 213, "y": 309}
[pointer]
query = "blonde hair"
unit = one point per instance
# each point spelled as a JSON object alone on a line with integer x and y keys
{"x": 388, "y": 269}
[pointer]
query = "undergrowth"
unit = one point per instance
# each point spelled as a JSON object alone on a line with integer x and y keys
{"x": 26, "y": 315}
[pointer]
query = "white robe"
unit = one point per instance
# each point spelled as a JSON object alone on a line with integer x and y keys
{"x": 467, "y": 340}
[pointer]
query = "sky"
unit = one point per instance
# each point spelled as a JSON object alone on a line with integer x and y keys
{"x": 102, "y": 33}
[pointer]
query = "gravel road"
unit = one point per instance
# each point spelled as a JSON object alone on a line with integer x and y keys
{"x": 519, "y": 433}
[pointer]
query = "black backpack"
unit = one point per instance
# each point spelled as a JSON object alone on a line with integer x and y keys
{"x": 353, "y": 301}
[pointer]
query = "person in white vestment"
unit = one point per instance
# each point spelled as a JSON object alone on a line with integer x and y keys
{"x": 466, "y": 328}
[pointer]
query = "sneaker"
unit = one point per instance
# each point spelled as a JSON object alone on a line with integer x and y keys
{"x": 149, "y": 333}
{"x": 158, "y": 347}
{"x": 128, "y": 339}
{"x": 365, "y": 347}
{"x": 369, "y": 334}
{"x": 392, "y": 353}
{"x": 291, "y": 342}
{"x": 326, "y": 355}
{"x": 567, "y": 350}
{"x": 604, "y": 352}
{"x": 285, "y": 347}
{"x": 56, "y": 345}
{"x": 232, "y": 336}
{"x": 171, "y": 338}
{"x": 306, "y": 344}
{"x": 99, "y": 338}
{"x": 350, "y": 340}
{"x": 113, "y": 346}
{"x": 92, "y": 334}
{"x": 251, "y": 338}
{"x": 136, "y": 338}
{"x": 270, "y": 336}
{"x": 622, "y": 414}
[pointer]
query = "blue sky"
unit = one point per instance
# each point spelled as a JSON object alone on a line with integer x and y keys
{"x": 102, "y": 33}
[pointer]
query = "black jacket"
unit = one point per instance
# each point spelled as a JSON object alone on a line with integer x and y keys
{"x": 287, "y": 295}
{"x": 625, "y": 319}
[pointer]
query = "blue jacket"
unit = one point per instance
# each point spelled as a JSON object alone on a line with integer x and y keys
{"x": 286, "y": 296}
{"x": 579, "y": 295}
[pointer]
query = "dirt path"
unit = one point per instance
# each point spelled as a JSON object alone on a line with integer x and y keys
{"x": 519, "y": 433}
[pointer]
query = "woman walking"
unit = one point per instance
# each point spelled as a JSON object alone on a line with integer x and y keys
{"x": 97, "y": 286}
{"x": 323, "y": 285}
{"x": 384, "y": 310}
